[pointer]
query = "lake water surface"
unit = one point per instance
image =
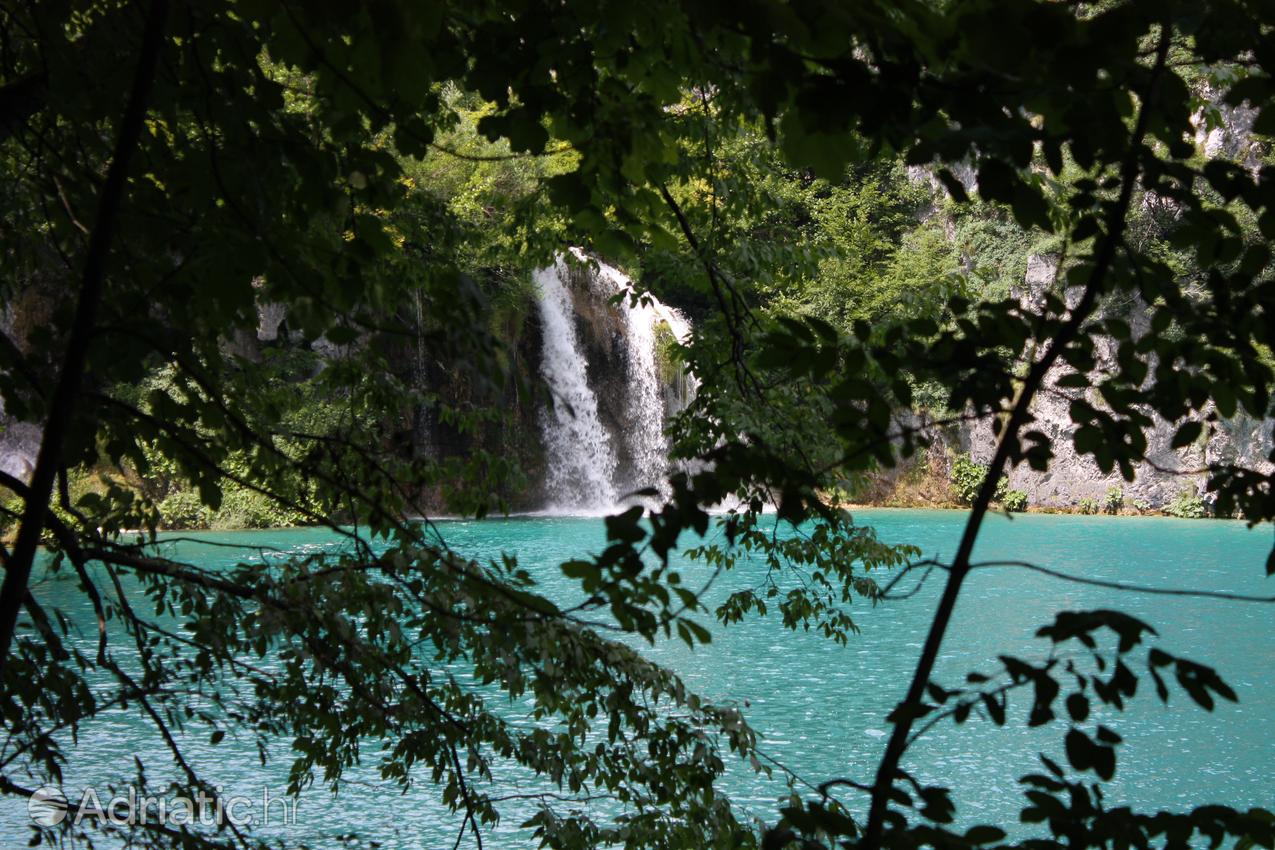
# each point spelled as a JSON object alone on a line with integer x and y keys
{"x": 820, "y": 707}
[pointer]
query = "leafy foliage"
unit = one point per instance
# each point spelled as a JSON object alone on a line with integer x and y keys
{"x": 1014, "y": 500}
{"x": 967, "y": 478}
{"x": 1187, "y": 505}
{"x": 388, "y": 173}
{"x": 1076, "y": 690}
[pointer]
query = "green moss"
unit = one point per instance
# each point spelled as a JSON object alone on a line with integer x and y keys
{"x": 668, "y": 363}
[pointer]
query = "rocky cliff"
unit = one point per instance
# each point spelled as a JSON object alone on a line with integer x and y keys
{"x": 1161, "y": 478}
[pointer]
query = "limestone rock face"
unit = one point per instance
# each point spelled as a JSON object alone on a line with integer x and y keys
{"x": 602, "y": 332}
{"x": 1222, "y": 130}
{"x": 19, "y": 445}
{"x": 20, "y": 441}
{"x": 1166, "y": 472}
{"x": 270, "y": 316}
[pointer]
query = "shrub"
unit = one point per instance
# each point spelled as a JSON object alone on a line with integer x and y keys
{"x": 1088, "y": 506}
{"x": 183, "y": 509}
{"x": 1142, "y": 506}
{"x": 967, "y": 477}
{"x": 1113, "y": 501}
{"x": 244, "y": 508}
{"x": 1014, "y": 500}
{"x": 1187, "y": 505}
{"x": 10, "y": 509}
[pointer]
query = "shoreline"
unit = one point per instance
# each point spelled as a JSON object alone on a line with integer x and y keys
{"x": 852, "y": 507}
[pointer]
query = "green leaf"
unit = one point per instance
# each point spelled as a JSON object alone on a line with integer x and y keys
{"x": 997, "y": 181}
{"x": 984, "y": 834}
{"x": 579, "y": 569}
{"x": 954, "y": 187}
{"x": 995, "y": 708}
{"x": 1187, "y": 434}
{"x": 341, "y": 335}
{"x": 701, "y": 634}
{"x": 1074, "y": 380}
{"x": 1078, "y": 707}
{"x": 569, "y": 190}
{"x": 1265, "y": 121}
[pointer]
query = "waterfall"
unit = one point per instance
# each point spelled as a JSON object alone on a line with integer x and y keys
{"x": 581, "y": 462}
{"x": 615, "y": 443}
{"x": 422, "y": 413}
{"x": 644, "y": 400}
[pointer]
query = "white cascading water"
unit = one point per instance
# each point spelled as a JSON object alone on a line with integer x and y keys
{"x": 644, "y": 402}
{"x": 581, "y": 462}
{"x": 583, "y": 471}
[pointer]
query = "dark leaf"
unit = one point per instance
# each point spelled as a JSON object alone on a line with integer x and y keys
{"x": 1078, "y": 707}
{"x": 1187, "y": 434}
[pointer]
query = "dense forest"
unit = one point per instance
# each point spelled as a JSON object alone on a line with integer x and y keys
{"x": 882, "y": 241}
{"x": 271, "y": 265}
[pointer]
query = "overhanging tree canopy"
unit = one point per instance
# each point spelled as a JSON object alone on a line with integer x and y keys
{"x": 245, "y": 153}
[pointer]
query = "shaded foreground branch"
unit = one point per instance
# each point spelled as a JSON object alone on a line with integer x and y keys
{"x": 66, "y": 395}
{"x": 913, "y": 703}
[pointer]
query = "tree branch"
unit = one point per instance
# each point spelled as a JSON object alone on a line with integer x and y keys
{"x": 66, "y": 395}
{"x": 909, "y": 709}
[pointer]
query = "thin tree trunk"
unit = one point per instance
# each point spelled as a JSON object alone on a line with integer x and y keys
{"x": 66, "y": 395}
{"x": 911, "y": 707}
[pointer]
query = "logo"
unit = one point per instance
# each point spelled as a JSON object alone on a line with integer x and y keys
{"x": 47, "y": 806}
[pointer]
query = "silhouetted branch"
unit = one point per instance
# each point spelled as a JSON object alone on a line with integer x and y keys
{"x": 1123, "y": 586}
{"x": 66, "y": 395}
{"x": 1104, "y": 257}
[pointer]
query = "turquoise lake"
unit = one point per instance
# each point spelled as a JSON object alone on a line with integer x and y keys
{"x": 820, "y": 707}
